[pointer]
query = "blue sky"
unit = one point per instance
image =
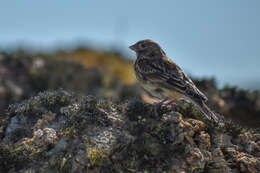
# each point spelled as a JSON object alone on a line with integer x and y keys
{"x": 206, "y": 38}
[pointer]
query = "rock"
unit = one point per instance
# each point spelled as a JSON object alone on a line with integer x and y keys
{"x": 239, "y": 105}
{"x": 60, "y": 131}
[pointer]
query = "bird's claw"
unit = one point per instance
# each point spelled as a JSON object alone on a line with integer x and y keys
{"x": 165, "y": 102}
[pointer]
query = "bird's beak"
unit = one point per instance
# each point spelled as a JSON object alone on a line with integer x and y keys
{"x": 133, "y": 47}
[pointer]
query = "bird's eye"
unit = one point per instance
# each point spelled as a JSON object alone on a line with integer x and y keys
{"x": 142, "y": 45}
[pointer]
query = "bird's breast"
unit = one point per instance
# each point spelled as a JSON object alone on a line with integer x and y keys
{"x": 160, "y": 92}
{"x": 154, "y": 88}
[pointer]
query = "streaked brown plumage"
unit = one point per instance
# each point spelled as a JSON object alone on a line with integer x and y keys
{"x": 164, "y": 79}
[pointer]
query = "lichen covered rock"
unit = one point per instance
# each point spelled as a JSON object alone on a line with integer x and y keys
{"x": 62, "y": 132}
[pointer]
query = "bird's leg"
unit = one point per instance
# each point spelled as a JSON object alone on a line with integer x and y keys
{"x": 161, "y": 102}
{"x": 170, "y": 102}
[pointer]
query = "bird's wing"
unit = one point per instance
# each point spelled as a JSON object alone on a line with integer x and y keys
{"x": 169, "y": 75}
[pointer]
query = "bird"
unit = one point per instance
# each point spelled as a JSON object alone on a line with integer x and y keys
{"x": 163, "y": 79}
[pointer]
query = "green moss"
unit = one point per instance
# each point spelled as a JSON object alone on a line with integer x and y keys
{"x": 42, "y": 103}
{"x": 196, "y": 169}
{"x": 12, "y": 159}
{"x": 63, "y": 99}
{"x": 59, "y": 164}
{"x": 156, "y": 128}
{"x": 15, "y": 150}
{"x": 35, "y": 152}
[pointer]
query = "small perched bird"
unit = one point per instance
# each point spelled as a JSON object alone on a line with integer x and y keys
{"x": 164, "y": 79}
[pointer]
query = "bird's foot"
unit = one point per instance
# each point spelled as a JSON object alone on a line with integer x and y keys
{"x": 170, "y": 102}
{"x": 161, "y": 102}
{"x": 165, "y": 102}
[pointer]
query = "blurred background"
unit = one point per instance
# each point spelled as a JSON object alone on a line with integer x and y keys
{"x": 215, "y": 38}
{"x": 82, "y": 46}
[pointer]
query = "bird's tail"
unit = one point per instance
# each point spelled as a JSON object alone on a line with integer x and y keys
{"x": 210, "y": 115}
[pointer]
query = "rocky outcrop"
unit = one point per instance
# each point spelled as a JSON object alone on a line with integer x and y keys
{"x": 114, "y": 130}
{"x": 61, "y": 132}
{"x": 239, "y": 105}
{"x": 23, "y": 75}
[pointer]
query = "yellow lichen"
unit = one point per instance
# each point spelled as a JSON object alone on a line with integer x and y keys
{"x": 96, "y": 156}
{"x": 69, "y": 131}
{"x": 62, "y": 99}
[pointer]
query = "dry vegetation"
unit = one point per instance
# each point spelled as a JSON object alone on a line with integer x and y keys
{"x": 106, "y": 62}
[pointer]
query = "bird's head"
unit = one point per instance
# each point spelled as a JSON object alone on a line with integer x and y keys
{"x": 148, "y": 48}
